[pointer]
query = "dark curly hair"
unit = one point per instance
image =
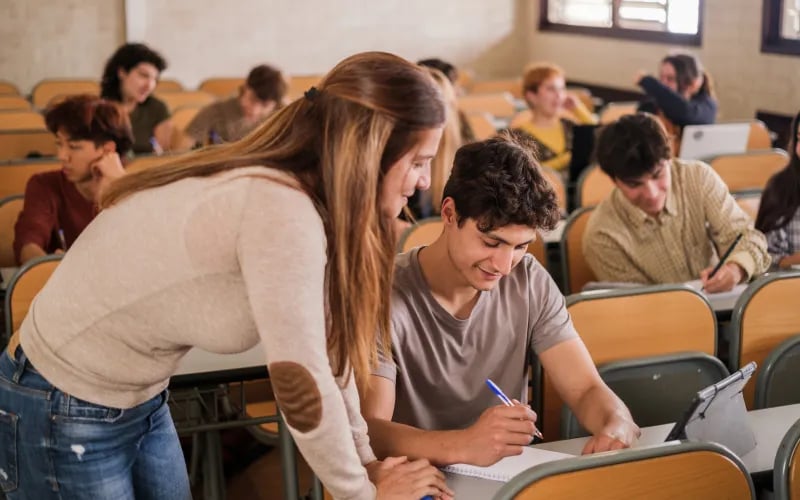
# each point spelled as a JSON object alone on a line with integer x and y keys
{"x": 90, "y": 118}
{"x": 127, "y": 57}
{"x": 497, "y": 182}
{"x": 632, "y": 146}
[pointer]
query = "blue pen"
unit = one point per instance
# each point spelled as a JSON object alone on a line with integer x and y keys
{"x": 500, "y": 394}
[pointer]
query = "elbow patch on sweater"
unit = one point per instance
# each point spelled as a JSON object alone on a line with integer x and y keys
{"x": 297, "y": 394}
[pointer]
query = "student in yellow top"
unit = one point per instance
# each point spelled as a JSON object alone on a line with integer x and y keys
{"x": 554, "y": 113}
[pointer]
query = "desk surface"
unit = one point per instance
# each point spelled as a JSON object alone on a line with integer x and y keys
{"x": 769, "y": 426}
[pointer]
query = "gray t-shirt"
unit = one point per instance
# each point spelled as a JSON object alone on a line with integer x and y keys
{"x": 441, "y": 363}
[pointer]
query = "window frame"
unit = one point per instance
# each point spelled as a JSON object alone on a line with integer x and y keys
{"x": 618, "y": 32}
{"x": 772, "y": 42}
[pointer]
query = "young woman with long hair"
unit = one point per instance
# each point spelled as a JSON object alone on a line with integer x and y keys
{"x": 284, "y": 238}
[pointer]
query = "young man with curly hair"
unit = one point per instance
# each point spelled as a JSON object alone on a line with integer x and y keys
{"x": 473, "y": 305}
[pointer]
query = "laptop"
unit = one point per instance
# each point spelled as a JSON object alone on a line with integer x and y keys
{"x": 700, "y": 142}
{"x": 582, "y": 149}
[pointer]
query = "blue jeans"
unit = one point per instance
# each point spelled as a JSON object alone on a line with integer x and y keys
{"x": 55, "y": 446}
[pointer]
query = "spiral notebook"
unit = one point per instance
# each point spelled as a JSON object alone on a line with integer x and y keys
{"x": 508, "y": 467}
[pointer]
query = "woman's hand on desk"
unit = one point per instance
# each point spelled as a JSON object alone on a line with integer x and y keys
{"x": 397, "y": 478}
{"x": 617, "y": 434}
{"x": 501, "y": 431}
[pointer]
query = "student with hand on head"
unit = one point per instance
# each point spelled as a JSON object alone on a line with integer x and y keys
{"x": 668, "y": 220}
{"x": 474, "y": 305}
{"x": 545, "y": 92}
{"x": 779, "y": 210}
{"x": 683, "y": 94}
{"x": 129, "y": 78}
{"x": 283, "y": 238}
{"x": 262, "y": 93}
{"x": 91, "y": 136}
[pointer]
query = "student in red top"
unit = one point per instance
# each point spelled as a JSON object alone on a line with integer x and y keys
{"x": 91, "y": 135}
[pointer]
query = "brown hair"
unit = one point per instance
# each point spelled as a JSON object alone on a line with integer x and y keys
{"x": 537, "y": 73}
{"x": 688, "y": 68}
{"x": 498, "y": 182}
{"x": 90, "y": 118}
{"x": 451, "y": 140}
{"x": 632, "y": 146}
{"x": 267, "y": 83}
{"x": 338, "y": 141}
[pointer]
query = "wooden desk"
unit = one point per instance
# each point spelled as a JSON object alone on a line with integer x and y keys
{"x": 769, "y": 426}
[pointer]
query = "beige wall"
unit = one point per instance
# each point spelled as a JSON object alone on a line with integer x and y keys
{"x": 202, "y": 38}
{"x": 66, "y": 38}
{"x": 746, "y": 79}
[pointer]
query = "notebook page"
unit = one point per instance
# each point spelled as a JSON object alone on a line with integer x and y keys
{"x": 508, "y": 467}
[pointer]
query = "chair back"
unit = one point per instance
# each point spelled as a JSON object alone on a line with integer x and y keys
{"x": 594, "y": 186}
{"x": 221, "y": 87}
{"x": 557, "y": 183}
{"x": 748, "y": 201}
{"x": 538, "y": 249}
{"x": 584, "y": 95}
{"x": 144, "y": 162}
{"x": 24, "y": 286}
{"x": 167, "y": 85}
{"x": 759, "y": 137}
{"x": 776, "y": 382}
{"x": 662, "y": 472}
{"x": 749, "y": 170}
{"x": 786, "y": 472}
{"x": 765, "y": 315}
{"x": 616, "y": 110}
{"x": 657, "y": 390}
{"x": 14, "y": 103}
{"x": 500, "y": 104}
{"x": 422, "y": 233}
{"x": 575, "y": 270}
{"x": 658, "y": 320}
{"x": 46, "y": 90}
{"x": 181, "y": 118}
{"x": 298, "y": 84}
{"x": 511, "y": 85}
{"x": 8, "y": 88}
{"x": 175, "y": 100}
{"x": 21, "y": 120}
{"x": 10, "y": 207}
{"x": 20, "y": 144}
{"x": 481, "y": 125}
{"x": 14, "y": 176}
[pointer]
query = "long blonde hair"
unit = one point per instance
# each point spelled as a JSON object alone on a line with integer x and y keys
{"x": 451, "y": 140}
{"x": 338, "y": 141}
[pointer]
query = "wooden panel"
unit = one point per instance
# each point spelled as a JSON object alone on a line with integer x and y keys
{"x": 175, "y": 100}
{"x": 579, "y": 271}
{"x": 421, "y": 234}
{"x": 499, "y": 105}
{"x": 9, "y": 213}
{"x": 759, "y": 136}
{"x": 298, "y": 84}
{"x": 18, "y": 144}
{"x": 595, "y": 187}
{"x": 14, "y": 177}
{"x": 770, "y": 317}
{"x": 169, "y": 86}
{"x": 481, "y": 125}
{"x": 221, "y": 87}
{"x": 511, "y": 85}
{"x": 14, "y": 102}
{"x": 26, "y": 288}
{"x": 557, "y": 182}
{"x": 8, "y": 88}
{"x": 46, "y": 90}
{"x": 698, "y": 474}
{"x": 616, "y": 110}
{"x": 21, "y": 120}
{"x": 749, "y": 170}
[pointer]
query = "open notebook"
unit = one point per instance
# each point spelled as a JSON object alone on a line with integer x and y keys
{"x": 508, "y": 467}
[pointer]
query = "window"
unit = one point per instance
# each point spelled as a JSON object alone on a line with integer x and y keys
{"x": 668, "y": 21}
{"x": 781, "y": 27}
